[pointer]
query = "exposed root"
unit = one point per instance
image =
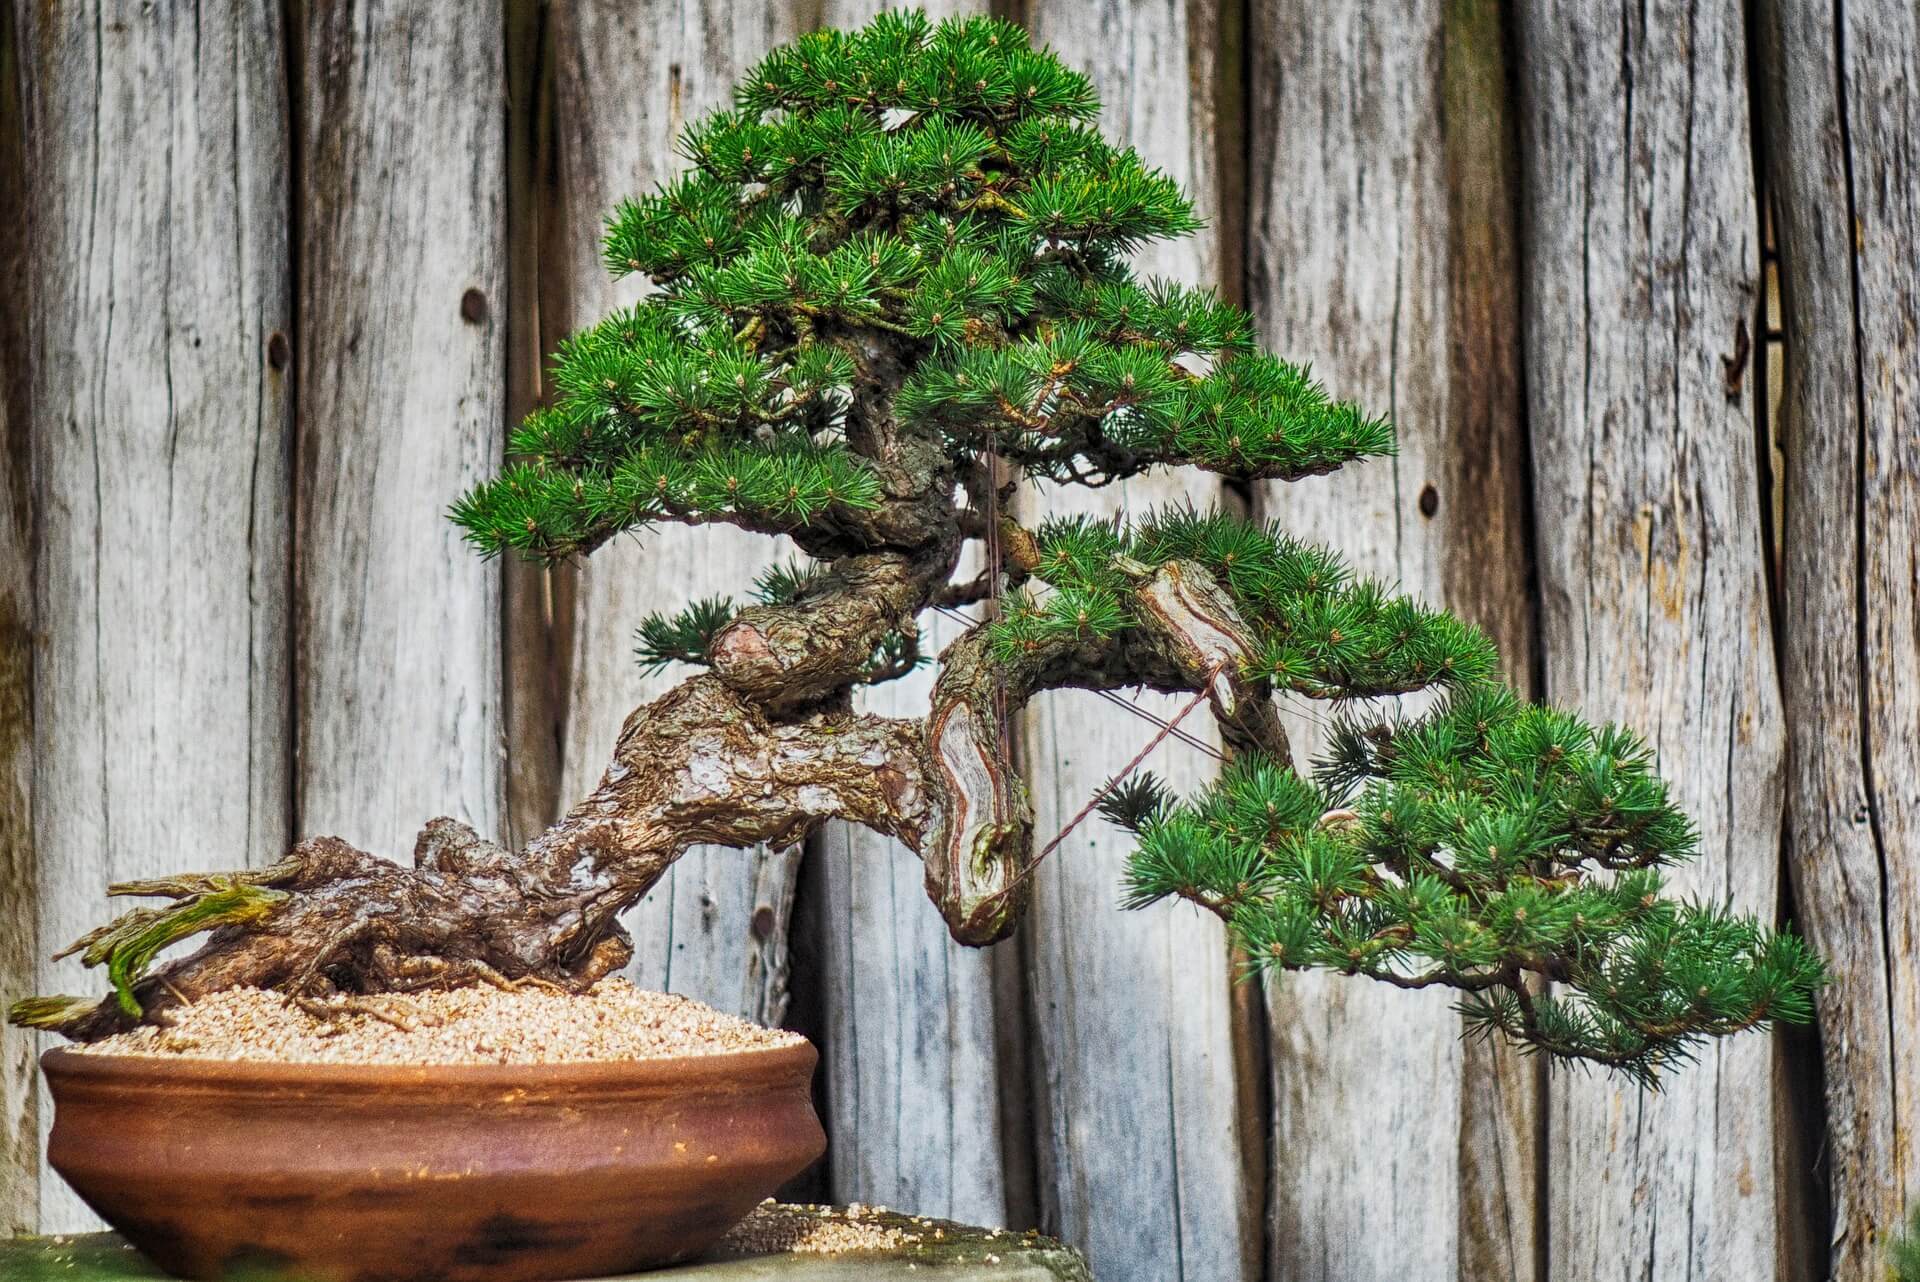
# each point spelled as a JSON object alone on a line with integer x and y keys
{"x": 334, "y": 1010}
{"x": 340, "y": 927}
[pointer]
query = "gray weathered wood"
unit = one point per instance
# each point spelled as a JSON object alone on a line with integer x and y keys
{"x": 19, "y": 873}
{"x": 531, "y": 712}
{"x": 1380, "y": 252}
{"x": 401, "y": 378}
{"x": 1643, "y": 260}
{"x": 908, "y": 1057}
{"x": 1138, "y": 1110}
{"x": 1840, "y": 91}
{"x": 157, "y": 158}
{"x": 627, "y": 77}
{"x": 908, "y": 1047}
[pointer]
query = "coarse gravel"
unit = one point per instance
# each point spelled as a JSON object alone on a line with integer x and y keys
{"x": 613, "y": 1022}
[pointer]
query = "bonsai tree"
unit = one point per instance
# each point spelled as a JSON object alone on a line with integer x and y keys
{"x": 892, "y": 285}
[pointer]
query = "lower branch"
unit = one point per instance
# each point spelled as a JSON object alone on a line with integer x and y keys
{"x": 1192, "y": 639}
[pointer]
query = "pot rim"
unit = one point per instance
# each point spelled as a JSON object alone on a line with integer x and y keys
{"x": 765, "y": 1065}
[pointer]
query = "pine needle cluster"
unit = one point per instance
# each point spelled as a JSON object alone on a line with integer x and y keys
{"x": 920, "y": 222}
{"x": 1491, "y": 846}
{"x": 938, "y": 186}
{"x": 1320, "y": 631}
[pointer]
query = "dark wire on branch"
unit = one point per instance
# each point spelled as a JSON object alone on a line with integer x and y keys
{"x": 1100, "y": 793}
{"x": 1125, "y": 705}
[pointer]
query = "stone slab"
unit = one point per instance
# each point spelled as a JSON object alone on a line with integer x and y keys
{"x": 794, "y": 1244}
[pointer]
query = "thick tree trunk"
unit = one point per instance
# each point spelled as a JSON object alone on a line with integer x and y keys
{"x": 699, "y": 765}
{"x": 704, "y": 764}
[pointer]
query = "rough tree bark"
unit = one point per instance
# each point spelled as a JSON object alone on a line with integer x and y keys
{"x": 157, "y": 158}
{"x": 706, "y": 763}
{"x": 1383, "y": 253}
{"x": 1840, "y": 95}
{"x": 1640, "y": 297}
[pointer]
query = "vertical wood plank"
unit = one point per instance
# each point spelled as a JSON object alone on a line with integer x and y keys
{"x": 1382, "y": 253}
{"x": 627, "y": 77}
{"x": 1640, "y": 288}
{"x": 1140, "y": 1132}
{"x": 401, "y": 380}
{"x": 19, "y": 873}
{"x": 531, "y": 714}
{"x": 913, "y": 1087}
{"x": 157, "y": 152}
{"x": 1840, "y": 94}
{"x": 908, "y": 1054}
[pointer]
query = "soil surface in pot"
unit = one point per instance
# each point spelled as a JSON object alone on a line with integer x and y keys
{"x": 615, "y": 1022}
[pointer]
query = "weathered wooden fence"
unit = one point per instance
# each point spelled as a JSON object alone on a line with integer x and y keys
{"x": 1639, "y": 282}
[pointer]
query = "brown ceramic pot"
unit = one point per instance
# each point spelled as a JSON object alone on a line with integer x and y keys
{"x": 469, "y": 1173}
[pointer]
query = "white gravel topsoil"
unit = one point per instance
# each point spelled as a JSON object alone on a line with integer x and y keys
{"x": 613, "y": 1022}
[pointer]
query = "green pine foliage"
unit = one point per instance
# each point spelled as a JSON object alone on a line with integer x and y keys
{"x": 1485, "y": 845}
{"x": 938, "y": 194}
{"x": 938, "y": 185}
{"x": 1322, "y": 633}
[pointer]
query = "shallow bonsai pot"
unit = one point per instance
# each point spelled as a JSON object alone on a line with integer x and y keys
{"x": 468, "y": 1173}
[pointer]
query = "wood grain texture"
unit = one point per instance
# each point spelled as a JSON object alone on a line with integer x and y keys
{"x": 908, "y": 1056}
{"x": 19, "y": 872}
{"x": 532, "y": 714}
{"x": 158, "y": 158}
{"x": 1840, "y": 95}
{"x": 1140, "y": 1133}
{"x": 912, "y": 1080}
{"x": 1643, "y": 260}
{"x": 400, "y": 410}
{"x": 627, "y": 78}
{"x": 1381, "y": 253}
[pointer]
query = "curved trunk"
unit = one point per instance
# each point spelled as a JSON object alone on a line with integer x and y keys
{"x": 736, "y": 757}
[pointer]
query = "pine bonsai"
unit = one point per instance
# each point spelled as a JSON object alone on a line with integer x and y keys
{"x": 893, "y": 284}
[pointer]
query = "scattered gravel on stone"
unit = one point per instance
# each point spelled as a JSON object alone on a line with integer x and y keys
{"x": 775, "y": 1229}
{"x": 613, "y": 1022}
